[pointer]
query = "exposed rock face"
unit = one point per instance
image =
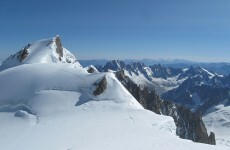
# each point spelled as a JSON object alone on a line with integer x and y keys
{"x": 135, "y": 65}
{"x": 59, "y": 49}
{"x": 212, "y": 138}
{"x": 155, "y": 71}
{"x": 100, "y": 86}
{"x": 23, "y": 53}
{"x": 156, "y": 77}
{"x": 91, "y": 69}
{"x": 160, "y": 71}
{"x": 189, "y": 125}
{"x": 200, "y": 93}
{"x": 114, "y": 65}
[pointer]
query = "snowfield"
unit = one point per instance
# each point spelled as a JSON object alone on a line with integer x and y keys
{"x": 159, "y": 84}
{"x": 49, "y": 105}
{"x": 218, "y": 121}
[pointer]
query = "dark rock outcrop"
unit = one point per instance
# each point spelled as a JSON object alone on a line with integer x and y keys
{"x": 91, "y": 70}
{"x": 189, "y": 125}
{"x": 100, "y": 86}
{"x": 59, "y": 48}
{"x": 163, "y": 72}
{"x": 199, "y": 93}
{"x": 158, "y": 71}
{"x": 113, "y": 65}
{"x": 212, "y": 139}
{"x": 23, "y": 53}
{"x": 147, "y": 73}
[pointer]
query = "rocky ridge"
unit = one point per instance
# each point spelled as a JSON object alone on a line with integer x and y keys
{"x": 189, "y": 125}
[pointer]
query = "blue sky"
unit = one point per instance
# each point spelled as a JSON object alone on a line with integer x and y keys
{"x": 117, "y": 29}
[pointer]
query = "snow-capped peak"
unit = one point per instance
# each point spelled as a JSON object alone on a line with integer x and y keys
{"x": 115, "y": 65}
{"x": 41, "y": 51}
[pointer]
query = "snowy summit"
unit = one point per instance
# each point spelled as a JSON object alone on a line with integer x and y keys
{"x": 48, "y": 101}
{"x": 42, "y": 51}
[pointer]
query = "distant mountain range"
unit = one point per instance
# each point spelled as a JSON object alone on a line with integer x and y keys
{"x": 145, "y": 61}
{"x": 221, "y": 67}
{"x": 197, "y": 88}
{"x": 187, "y": 86}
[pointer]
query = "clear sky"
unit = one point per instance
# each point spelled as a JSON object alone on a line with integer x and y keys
{"x": 117, "y": 29}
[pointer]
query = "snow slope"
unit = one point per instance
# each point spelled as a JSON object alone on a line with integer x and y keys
{"x": 54, "y": 118}
{"x": 218, "y": 121}
{"x": 21, "y": 84}
{"x": 51, "y": 106}
{"x": 42, "y": 51}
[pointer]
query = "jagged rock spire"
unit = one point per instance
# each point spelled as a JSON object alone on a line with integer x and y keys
{"x": 59, "y": 48}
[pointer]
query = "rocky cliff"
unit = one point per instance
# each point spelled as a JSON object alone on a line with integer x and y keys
{"x": 189, "y": 125}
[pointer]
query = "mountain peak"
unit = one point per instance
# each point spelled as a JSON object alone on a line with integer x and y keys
{"x": 136, "y": 65}
{"x": 115, "y": 65}
{"x": 41, "y": 51}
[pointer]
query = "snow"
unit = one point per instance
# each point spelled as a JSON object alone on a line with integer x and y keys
{"x": 49, "y": 105}
{"x": 211, "y": 75}
{"x": 169, "y": 83}
{"x": 42, "y": 51}
{"x": 219, "y": 75}
{"x": 93, "y": 126}
{"x": 92, "y": 67}
{"x": 139, "y": 79}
{"x": 185, "y": 69}
{"x": 32, "y": 78}
{"x": 112, "y": 120}
{"x": 159, "y": 84}
{"x": 218, "y": 121}
{"x": 148, "y": 71}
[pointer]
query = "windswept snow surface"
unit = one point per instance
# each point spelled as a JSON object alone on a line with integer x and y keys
{"x": 218, "y": 121}
{"x": 51, "y": 107}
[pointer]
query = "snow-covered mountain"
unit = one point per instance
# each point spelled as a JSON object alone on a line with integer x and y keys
{"x": 205, "y": 92}
{"x": 52, "y": 52}
{"x": 198, "y": 89}
{"x": 188, "y": 86}
{"x": 218, "y": 67}
{"x": 155, "y": 77}
{"x": 189, "y": 125}
{"x": 148, "y": 62}
{"x": 48, "y": 101}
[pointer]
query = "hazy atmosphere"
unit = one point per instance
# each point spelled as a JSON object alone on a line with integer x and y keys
{"x": 193, "y": 30}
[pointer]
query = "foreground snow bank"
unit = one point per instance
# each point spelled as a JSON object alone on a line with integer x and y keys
{"x": 23, "y": 83}
{"x": 94, "y": 125}
{"x": 52, "y": 107}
